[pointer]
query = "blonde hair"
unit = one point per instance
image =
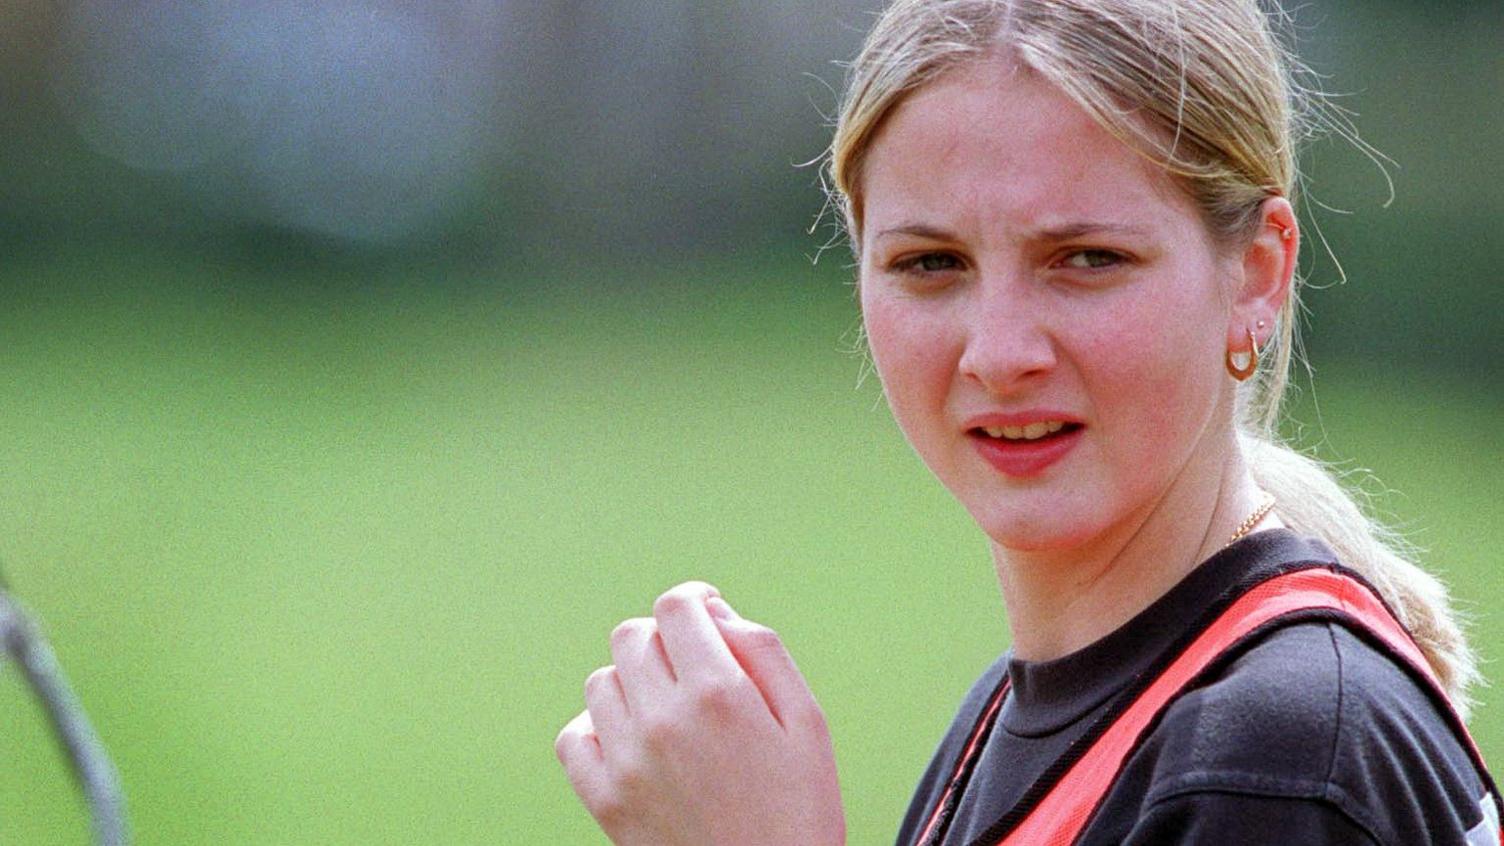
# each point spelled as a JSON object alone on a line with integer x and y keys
{"x": 1204, "y": 88}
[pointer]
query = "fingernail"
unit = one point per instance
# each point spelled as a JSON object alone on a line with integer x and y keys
{"x": 718, "y": 608}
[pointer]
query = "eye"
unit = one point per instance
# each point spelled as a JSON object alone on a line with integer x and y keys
{"x": 1093, "y": 259}
{"x": 928, "y": 263}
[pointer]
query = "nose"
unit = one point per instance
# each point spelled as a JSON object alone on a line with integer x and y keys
{"x": 1009, "y": 346}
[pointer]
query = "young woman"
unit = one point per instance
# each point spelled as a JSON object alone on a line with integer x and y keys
{"x": 1077, "y": 257}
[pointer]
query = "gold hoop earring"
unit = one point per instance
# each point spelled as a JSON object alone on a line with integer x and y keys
{"x": 1242, "y": 373}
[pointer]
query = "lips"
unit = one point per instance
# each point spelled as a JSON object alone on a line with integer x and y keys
{"x": 1024, "y": 446}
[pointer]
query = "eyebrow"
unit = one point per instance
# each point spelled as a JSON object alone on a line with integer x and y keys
{"x": 1069, "y": 231}
{"x": 1063, "y": 232}
{"x": 918, "y": 230}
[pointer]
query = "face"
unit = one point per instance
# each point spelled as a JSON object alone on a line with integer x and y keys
{"x": 1046, "y": 311}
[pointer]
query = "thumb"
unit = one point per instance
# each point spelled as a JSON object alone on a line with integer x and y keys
{"x": 767, "y": 662}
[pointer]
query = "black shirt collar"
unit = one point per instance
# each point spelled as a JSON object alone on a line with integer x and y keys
{"x": 1047, "y": 696}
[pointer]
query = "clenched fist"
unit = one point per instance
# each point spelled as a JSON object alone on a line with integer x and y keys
{"x": 702, "y": 732}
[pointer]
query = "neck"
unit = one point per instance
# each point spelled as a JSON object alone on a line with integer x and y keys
{"x": 1060, "y": 601}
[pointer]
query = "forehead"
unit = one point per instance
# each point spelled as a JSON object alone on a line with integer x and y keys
{"x": 992, "y": 143}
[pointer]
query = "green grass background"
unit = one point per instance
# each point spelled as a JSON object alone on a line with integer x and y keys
{"x": 328, "y": 557}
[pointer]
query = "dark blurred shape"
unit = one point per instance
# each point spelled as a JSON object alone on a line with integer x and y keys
{"x": 338, "y": 118}
{"x": 154, "y": 84}
{"x": 391, "y": 123}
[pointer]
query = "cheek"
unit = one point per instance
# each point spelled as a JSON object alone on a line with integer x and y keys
{"x": 908, "y": 350}
{"x": 1155, "y": 370}
{"x": 891, "y": 348}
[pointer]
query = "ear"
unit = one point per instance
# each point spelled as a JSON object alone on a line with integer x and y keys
{"x": 1268, "y": 266}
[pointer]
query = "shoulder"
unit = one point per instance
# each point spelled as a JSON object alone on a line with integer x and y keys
{"x": 1313, "y": 713}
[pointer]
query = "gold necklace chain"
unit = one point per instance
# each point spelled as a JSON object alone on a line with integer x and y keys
{"x": 1253, "y": 520}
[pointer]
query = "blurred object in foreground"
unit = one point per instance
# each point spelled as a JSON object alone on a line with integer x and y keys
{"x": 25, "y": 645}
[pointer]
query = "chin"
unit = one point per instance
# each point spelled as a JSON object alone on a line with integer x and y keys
{"x": 1023, "y": 533}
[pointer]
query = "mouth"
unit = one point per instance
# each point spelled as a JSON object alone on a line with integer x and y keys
{"x": 1032, "y": 433}
{"x": 1026, "y": 451}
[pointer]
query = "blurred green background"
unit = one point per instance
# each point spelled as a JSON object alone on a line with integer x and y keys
{"x": 362, "y": 365}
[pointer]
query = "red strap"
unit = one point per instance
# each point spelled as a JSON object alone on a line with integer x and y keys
{"x": 973, "y": 748}
{"x": 1063, "y": 812}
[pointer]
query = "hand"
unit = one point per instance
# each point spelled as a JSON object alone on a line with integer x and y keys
{"x": 703, "y": 732}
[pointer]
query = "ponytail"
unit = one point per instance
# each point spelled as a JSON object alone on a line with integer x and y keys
{"x": 1312, "y": 502}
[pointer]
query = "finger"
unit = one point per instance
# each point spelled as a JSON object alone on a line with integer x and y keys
{"x": 607, "y": 706}
{"x": 641, "y": 664}
{"x": 696, "y": 650}
{"x": 766, "y": 660}
{"x": 579, "y": 750}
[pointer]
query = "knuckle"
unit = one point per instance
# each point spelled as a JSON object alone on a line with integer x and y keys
{"x": 657, "y": 733}
{"x": 683, "y": 596}
{"x": 597, "y": 679}
{"x": 762, "y": 637}
{"x": 717, "y": 698}
{"x": 631, "y": 778}
{"x": 572, "y": 736}
{"x": 671, "y": 603}
{"x": 626, "y": 630}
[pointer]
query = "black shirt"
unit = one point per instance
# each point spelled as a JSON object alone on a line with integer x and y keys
{"x": 1310, "y": 736}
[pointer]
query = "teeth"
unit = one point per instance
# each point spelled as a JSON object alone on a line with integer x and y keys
{"x": 1031, "y": 432}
